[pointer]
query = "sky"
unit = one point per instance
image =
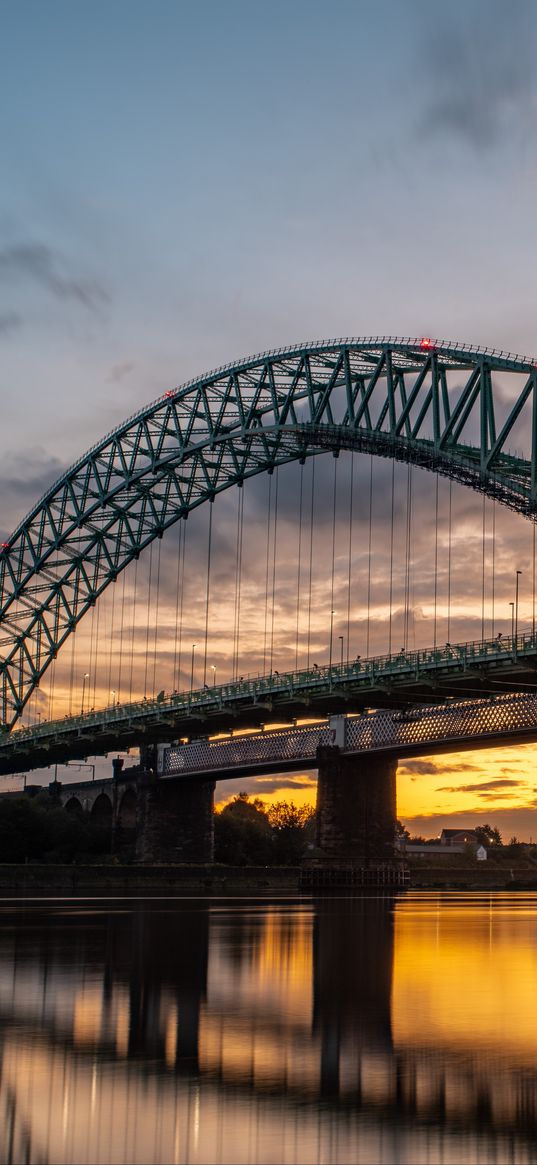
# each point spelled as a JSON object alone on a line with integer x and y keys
{"x": 185, "y": 183}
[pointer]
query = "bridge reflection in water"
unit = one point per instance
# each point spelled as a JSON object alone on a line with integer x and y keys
{"x": 342, "y": 1030}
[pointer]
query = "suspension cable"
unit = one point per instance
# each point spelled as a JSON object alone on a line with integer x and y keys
{"x": 91, "y": 667}
{"x": 72, "y": 681}
{"x": 147, "y": 618}
{"x": 239, "y": 591}
{"x": 265, "y": 630}
{"x": 408, "y": 549}
{"x": 310, "y": 573}
{"x": 51, "y": 690}
{"x": 334, "y": 503}
{"x": 177, "y": 586}
{"x": 493, "y": 596}
{"x": 350, "y": 560}
{"x": 112, "y": 641}
{"x": 274, "y": 572}
{"x": 135, "y": 593}
{"x": 185, "y": 529}
{"x": 238, "y": 568}
{"x": 483, "y": 535}
{"x": 436, "y": 564}
{"x": 97, "y": 654}
{"x": 299, "y": 567}
{"x": 449, "y": 567}
{"x": 209, "y": 547}
{"x": 156, "y": 616}
{"x": 391, "y": 561}
{"x": 532, "y": 588}
{"x": 369, "y": 553}
{"x": 121, "y": 638}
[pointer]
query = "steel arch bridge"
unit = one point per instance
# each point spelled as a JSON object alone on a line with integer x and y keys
{"x": 440, "y": 405}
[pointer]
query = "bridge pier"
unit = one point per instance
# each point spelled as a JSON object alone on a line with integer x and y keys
{"x": 356, "y": 808}
{"x": 175, "y": 820}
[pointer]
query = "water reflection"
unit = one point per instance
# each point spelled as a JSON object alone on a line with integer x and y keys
{"x": 358, "y": 1029}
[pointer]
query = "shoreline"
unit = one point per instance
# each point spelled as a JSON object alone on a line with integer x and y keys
{"x": 215, "y": 879}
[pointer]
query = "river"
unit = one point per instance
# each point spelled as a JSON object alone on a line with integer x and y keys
{"x": 269, "y": 1030}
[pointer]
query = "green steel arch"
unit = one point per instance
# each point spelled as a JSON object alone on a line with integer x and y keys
{"x": 448, "y": 407}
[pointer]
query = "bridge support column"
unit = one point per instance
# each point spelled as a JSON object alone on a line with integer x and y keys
{"x": 174, "y": 821}
{"x": 356, "y": 811}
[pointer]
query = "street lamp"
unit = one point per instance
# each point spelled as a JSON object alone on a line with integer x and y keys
{"x": 192, "y": 668}
{"x": 340, "y": 637}
{"x": 517, "y": 574}
{"x": 332, "y": 613}
{"x": 213, "y": 669}
{"x": 113, "y": 695}
{"x": 86, "y": 677}
{"x": 512, "y": 606}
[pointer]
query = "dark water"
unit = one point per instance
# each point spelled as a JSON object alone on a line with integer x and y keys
{"x": 276, "y": 1030}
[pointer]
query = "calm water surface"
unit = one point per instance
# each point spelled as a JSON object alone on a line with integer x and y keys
{"x": 380, "y": 1029}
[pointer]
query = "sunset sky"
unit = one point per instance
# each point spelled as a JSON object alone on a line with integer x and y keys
{"x": 185, "y": 183}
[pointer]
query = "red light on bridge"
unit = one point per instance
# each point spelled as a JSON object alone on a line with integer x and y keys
{"x": 169, "y": 392}
{"x": 426, "y": 343}
{"x": 4, "y": 546}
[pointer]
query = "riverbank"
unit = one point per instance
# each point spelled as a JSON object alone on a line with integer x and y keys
{"x": 214, "y": 879}
{"x": 209, "y": 879}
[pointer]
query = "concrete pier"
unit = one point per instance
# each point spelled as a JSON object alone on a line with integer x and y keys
{"x": 175, "y": 820}
{"x": 356, "y": 807}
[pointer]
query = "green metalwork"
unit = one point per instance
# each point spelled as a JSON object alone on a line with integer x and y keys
{"x": 433, "y": 674}
{"x": 439, "y": 405}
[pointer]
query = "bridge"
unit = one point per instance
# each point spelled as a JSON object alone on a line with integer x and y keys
{"x": 414, "y": 731}
{"x": 448, "y": 408}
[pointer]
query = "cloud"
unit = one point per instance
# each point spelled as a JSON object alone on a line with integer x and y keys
{"x": 119, "y": 372}
{"x": 37, "y": 263}
{"x": 486, "y": 786}
{"x": 476, "y": 64}
{"x": 423, "y": 768}
{"x": 9, "y": 322}
{"x": 283, "y": 782}
{"x": 24, "y": 477}
{"x": 517, "y": 819}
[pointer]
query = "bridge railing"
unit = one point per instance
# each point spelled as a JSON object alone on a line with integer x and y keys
{"x": 405, "y": 733}
{"x": 358, "y": 673}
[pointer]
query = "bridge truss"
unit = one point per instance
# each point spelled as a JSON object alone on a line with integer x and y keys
{"x": 447, "y": 407}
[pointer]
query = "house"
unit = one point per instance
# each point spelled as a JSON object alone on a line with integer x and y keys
{"x": 459, "y": 837}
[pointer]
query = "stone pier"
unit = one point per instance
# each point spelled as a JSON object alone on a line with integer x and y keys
{"x": 356, "y": 810}
{"x": 174, "y": 820}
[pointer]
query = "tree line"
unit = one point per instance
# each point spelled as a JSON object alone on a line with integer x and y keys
{"x": 37, "y": 829}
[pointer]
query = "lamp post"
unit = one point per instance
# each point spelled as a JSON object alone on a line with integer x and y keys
{"x": 517, "y": 575}
{"x": 512, "y": 606}
{"x": 331, "y": 636}
{"x": 86, "y": 677}
{"x": 192, "y": 668}
{"x": 340, "y": 637}
{"x": 113, "y": 695}
{"x": 213, "y": 669}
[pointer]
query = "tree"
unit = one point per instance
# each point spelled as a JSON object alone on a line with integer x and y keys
{"x": 292, "y": 828}
{"x": 39, "y": 830}
{"x": 242, "y": 833}
{"x": 488, "y": 835}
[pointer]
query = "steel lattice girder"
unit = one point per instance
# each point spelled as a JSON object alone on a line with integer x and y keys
{"x": 394, "y": 398}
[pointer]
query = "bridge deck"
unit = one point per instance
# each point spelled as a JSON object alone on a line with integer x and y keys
{"x": 475, "y": 669}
